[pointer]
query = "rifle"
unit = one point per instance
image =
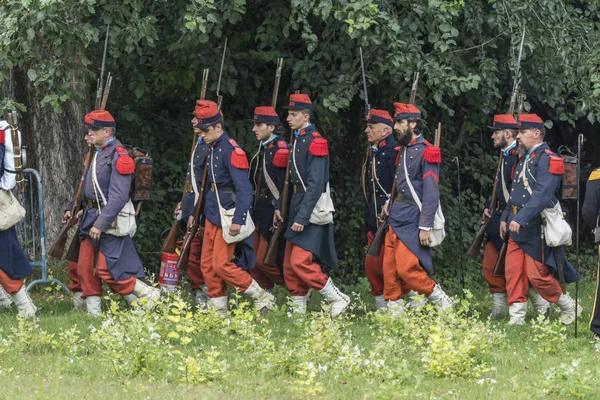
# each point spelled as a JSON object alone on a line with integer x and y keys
{"x": 219, "y": 97}
{"x": 106, "y": 92}
{"x": 473, "y": 250}
{"x": 369, "y": 155}
{"x": 101, "y": 79}
{"x": 170, "y": 243}
{"x": 13, "y": 121}
{"x": 271, "y": 253}
{"x": 364, "y": 78}
{"x": 499, "y": 267}
{"x": 375, "y": 248}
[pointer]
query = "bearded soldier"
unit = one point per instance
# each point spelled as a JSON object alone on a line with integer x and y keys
{"x": 407, "y": 256}
{"x": 309, "y": 175}
{"x": 269, "y": 177}
{"x": 14, "y": 265}
{"x": 529, "y": 261}
{"x": 230, "y": 189}
{"x": 105, "y": 254}
{"x": 591, "y": 216}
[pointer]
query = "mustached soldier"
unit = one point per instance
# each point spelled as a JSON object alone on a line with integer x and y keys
{"x": 309, "y": 175}
{"x": 407, "y": 256}
{"x": 529, "y": 261}
{"x": 104, "y": 257}
{"x": 14, "y": 265}
{"x": 228, "y": 179}
{"x": 269, "y": 176}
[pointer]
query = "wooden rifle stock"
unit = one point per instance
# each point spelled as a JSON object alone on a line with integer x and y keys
{"x": 58, "y": 247}
{"x": 192, "y": 231}
{"x": 499, "y": 267}
{"x": 473, "y": 250}
{"x": 271, "y": 254}
{"x": 375, "y": 247}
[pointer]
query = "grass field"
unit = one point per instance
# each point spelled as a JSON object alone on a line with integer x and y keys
{"x": 176, "y": 354}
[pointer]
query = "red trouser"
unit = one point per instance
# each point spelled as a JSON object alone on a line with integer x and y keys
{"x": 401, "y": 270}
{"x": 194, "y": 272}
{"x": 91, "y": 283}
{"x": 74, "y": 286}
{"x": 374, "y": 269}
{"x": 490, "y": 256}
{"x": 521, "y": 270}
{"x": 300, "y": 272}
{"x": 12, "y": 286}
{"x": 266, "y": 276}
{"x": 217, "y": 267}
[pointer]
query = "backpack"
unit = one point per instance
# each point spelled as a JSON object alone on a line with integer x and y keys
{"x": 141, "y": 185}
{"x": 569, "y": 182}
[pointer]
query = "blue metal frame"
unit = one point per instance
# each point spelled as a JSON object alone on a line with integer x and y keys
{"x": 30, "y": 207}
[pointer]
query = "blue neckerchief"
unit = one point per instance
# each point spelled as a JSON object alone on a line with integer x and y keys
{"x": 200, "y": 140}
{"x": 105, "y": 144}
{"x": 509, "y": 148}
{"x": 265, "y": 144}
{"x": 374, "y": 148}
{"x": 297, "y": 133}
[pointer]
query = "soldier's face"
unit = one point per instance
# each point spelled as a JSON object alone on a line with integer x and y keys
{"x": 527, "y": 138}
{"x": 376, "y": 132}
{"x": 262, "y": 131}
{"x": 296, "y": 119}
{"x": 403, "y": 131}
{"x": 209, "y": 134}
{"x": 499, "y": 138}
{"x": 98, "y": 137}
{"x": 88, "y": 139}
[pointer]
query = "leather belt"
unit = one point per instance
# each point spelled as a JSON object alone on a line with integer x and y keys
{"x": 92, "y": 204}
{"x": 262, "y": 192}
{"x": 514, "y": 210}
{"x": 500, "y": 205}
{"x": 222, "y": 188}
{"x": 300, "y": 189}
{"x": 404, "y": 199}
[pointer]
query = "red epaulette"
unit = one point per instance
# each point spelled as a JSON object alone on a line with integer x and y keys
{"x": 397, "y": 148}
{"x": 432, "y": 154}
{"x": 513, "y": 151}
{"x": 557, "y": 165}
{"x": 280, "y": 159}
{"x": 318, "y": 147}
{"x": 238, "y": 158}
{"x": 125, "y": 164}
{"x": 2, "y": 134}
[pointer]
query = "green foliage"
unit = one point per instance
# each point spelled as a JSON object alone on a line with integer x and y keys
{"x": 569, "y": 381}
{"x": 550, "y": 336}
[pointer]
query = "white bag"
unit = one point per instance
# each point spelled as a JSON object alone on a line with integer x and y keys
{"x": 11, "y": 212}
{"x": 438, "y": 231}
{"x": 322, "y": 214}
{"x": 124, "y": 224}
{"x": 227, "y": 216}
{"x": 555, "y": 230}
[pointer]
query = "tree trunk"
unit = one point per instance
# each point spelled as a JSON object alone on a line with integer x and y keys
{"x": 55, "y": 146}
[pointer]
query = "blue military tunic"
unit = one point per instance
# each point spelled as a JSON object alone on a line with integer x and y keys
{"x": 379, "y": 180}
{"x": 272, "y": 161}
{"x": 196, "y": 165}
{"x": 235, "y": 190}
{"x": 540, "y": 171}
{"x": 590, "y": 212}
{"x": 122, "y": 259}
{"x": 12, "y": 259}
{"x": 312, "y": 166}
{"x": 422, "y": 167}
{"x": 503, "y": 186}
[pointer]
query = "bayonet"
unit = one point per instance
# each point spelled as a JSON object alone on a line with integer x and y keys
{"x": 413, "y": 90}
{"x": 101, "y": 80}
{"x": 277, "y": 79}
{"x": 219, "y": 97}
{"x": 516, "y": 82}
{"x": 364, "y": 78}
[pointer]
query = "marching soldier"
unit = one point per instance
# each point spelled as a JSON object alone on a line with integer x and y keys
{"x": 102, "y": 255}
{"x": 14, "y": 265}
{"x": 407, "y": 256}
{"x": 228, "y": 179}
{"x": 378, "y": 178}
{"x": 194, "y": 175}
{"x": 591, "y": 215}
{"x": 529, "y": 261}
{"x": 309, "y": 175}
{"x": 269, "y": 180}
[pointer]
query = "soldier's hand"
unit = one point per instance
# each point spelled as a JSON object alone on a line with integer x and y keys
{"x": 384, "y": 212}
{"x": 190, "y": 222}
{"x": 514, "y": 227}
{"x": 486, "y": 214}
{"x": 66, "y": 217}
{"x": 95, "y": 233}
{"x": 425, "y": 237}
{"x": 79, "y": 215}
{"x": 296, "y": 227}
{"x": 177, "y": 211}
{"x": 502, "y": 229}
{"x": 235, "y": 229}
{"x": 277, "y": 219}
